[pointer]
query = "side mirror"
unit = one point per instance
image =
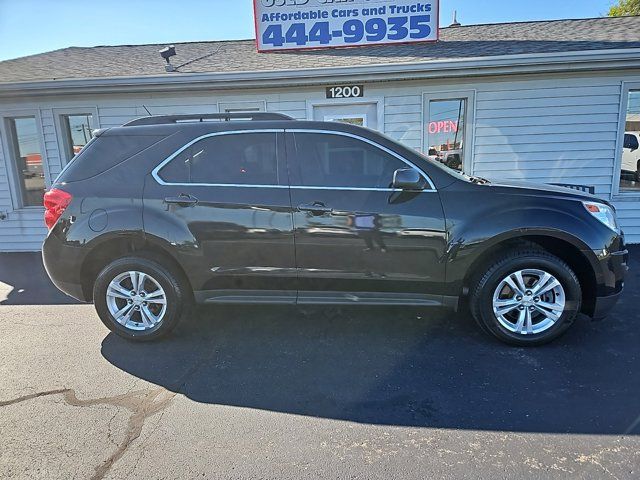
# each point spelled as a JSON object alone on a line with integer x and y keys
{"x": 409, "y": 179}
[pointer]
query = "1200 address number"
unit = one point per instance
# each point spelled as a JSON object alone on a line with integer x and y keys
{"x": 353, "y": 31}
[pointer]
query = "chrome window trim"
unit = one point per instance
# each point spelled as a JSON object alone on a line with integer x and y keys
{"x": 160, "y": 181}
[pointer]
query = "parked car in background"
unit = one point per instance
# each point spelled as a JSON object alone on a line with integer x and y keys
{"x": 452, "y": 159}
{"x": 631, "y": 156}
{"x": 258, "y": 208}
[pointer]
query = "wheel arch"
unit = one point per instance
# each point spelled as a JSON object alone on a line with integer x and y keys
{"x": 568, "y": 248}
{"x": 105, "y": 250}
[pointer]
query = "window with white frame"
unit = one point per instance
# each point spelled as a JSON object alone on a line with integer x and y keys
{"x": 76, "y": 131}
{"x": 447, "y": 122}
{"x": 26, "y": 157}
{"x": 630, "y": 161}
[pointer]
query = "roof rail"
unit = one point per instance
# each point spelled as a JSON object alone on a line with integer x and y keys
{"x": 223, "y": 117}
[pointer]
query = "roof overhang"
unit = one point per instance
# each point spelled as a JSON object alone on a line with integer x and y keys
{"x": 592, "y": 60}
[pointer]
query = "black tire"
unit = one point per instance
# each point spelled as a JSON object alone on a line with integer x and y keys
{"x": 176, "y": 290}
{"x": 481, "y": 300}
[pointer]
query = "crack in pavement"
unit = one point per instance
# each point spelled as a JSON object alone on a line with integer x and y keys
{"x": 142, "y": 404}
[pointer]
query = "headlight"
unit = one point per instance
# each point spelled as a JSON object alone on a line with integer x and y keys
{"x": 604, "y": 213}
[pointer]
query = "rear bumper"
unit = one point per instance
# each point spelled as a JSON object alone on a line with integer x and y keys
{"x": 63, "y": 264}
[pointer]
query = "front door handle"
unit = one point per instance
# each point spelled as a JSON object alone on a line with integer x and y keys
{"x": 316, "y": 208}
{"x": 182, "y": 200}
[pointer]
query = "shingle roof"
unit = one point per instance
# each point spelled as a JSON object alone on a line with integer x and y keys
{"x": 241, "y": 56}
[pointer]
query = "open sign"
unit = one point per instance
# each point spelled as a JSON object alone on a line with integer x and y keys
{"x": 443, "y": 126}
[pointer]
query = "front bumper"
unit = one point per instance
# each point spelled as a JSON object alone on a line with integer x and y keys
{"x": 613, "y": 267}
{"x": 604, "y": 305}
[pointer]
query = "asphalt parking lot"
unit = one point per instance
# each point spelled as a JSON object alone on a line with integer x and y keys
{"x": 273, "y": 392}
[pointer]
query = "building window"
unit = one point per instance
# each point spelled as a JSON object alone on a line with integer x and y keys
{"x": 24, "y": 137}
{"x": 359, "y": 119}
{"x": 446, "y": 125}
{"x": 76, "y": 131}
{"x": 630, "y": 165}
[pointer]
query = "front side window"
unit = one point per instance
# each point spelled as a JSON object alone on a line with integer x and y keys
{"x": 27, "y": 160}
{"x": 77, "y": 133}
{"x": 446, "y": 131}
{"x": 630, "y": 165}
{"x": 240, "y": 159}
{"x": 326, "y": 160}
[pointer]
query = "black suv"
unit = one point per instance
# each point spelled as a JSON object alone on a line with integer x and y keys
{"x": 233, "y": 208}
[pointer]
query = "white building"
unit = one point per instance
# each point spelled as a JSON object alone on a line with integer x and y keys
{"x": 547, "y": 102}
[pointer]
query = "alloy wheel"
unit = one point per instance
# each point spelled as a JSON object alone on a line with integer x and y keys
{"x": 136, "y": 301}
{"x": 529, "y": 302}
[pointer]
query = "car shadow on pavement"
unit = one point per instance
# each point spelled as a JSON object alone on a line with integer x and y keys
{"x": 24, "y": 281}
{"x": 405, "y": 367}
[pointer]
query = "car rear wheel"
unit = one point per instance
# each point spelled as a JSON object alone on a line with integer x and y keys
{"x": 139, "y": 299}
{"x": 526, "y": 298}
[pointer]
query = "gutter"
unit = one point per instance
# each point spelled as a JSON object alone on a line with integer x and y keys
{"x": 593, "y": 60}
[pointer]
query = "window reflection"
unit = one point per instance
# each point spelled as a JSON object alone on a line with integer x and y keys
{"x": 27, "y": 159}
{"x": 630, "y": 171}
{"x": 77, "y": 131}
{"x": 446, "y": 131}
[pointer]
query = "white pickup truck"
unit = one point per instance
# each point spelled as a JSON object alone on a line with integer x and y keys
{"x": 631, "y": 155}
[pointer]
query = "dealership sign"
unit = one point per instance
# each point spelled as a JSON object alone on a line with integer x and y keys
{"x": 307, "y": 24}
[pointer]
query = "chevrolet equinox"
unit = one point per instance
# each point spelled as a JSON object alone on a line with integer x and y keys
{"x": 168, "y": 211}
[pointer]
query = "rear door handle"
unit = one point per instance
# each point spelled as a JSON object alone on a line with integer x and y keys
{"x": 316, "y": 208}
{"x": 182, "y": 200}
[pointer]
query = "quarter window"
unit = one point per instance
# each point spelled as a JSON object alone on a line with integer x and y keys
{"x": 241, "y": 159}
{"x": 326, "y": 160}
{"x": 630, "y": 164}
{"x": 27, "y": 160}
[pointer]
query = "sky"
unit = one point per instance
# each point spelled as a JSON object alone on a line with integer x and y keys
{"x": 34, "y": 26}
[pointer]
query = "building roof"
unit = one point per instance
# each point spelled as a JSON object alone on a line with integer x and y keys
{"x": 456, "y": 43}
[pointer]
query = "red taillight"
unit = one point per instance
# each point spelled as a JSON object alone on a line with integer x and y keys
{"x": 55, "y": 203}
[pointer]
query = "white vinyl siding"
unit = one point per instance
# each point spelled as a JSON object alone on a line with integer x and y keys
{"x": 403, "y": 119}
{"x": 560, "y": 129}
{"x": 52, "y": 150}
{"x": 551, "y": 131}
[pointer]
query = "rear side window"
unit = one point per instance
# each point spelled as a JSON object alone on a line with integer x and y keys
{"x": 105, "y": 152}
{"x": 240, "y": 159}
{"x": 327, "y": 160}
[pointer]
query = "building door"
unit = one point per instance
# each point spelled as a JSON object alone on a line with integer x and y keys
{"x": 363, "y": 114}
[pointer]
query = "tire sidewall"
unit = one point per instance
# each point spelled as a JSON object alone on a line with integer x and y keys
{"x": 166, "y": 280}
{"x": 559, "y": 270}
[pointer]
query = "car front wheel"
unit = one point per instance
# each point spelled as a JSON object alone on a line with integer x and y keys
{"x": 527, "y": 298}
{"x": 139, "y": 299}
